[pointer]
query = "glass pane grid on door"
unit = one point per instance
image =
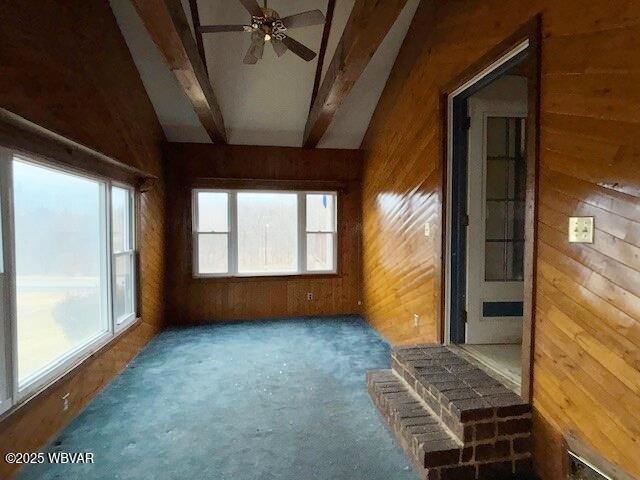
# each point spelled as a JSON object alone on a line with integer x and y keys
{"x": 505, "y": 195}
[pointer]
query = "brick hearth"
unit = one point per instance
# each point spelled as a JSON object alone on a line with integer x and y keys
{"x": 453, "y": 420}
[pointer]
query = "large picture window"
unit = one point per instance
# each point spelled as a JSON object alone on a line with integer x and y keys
{"x": 249, "y": 233}
{"x": 61, "y": 275}
{"x": 67, "y": 270}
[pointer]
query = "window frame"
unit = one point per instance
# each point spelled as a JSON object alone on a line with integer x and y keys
{"x": 232, "y": 253}
{"x": 333, "y": 233}
{"x": 231, "y": 232}
{"x": 7, "y": 389}
{"x": 123, "y": 322}
{"x": 41, "y": 380}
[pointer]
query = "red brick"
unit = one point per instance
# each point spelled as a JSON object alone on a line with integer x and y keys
{"x": 513, "y": 426}
{"x": 522, "y": 445}
{"x": 485, "y": 431}
{"x": 524, "y": 465}
{"x": 458, "y": 473}
{"x": 432, "y": 474}
{"x": 501, "y": 449}
{"x": 495, "y": 470}
{"x": 466, "y": 454}
{"x": 441, "y": 458}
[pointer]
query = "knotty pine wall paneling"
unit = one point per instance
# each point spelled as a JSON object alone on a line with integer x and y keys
{"x": 66, "y": 67}
{"x": 207, "y": 300}
{"x": 586, "y": 375}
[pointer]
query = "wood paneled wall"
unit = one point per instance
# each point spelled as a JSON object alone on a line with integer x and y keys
{"x": 65, "y": 66}
{"x": 205, "y": 300}
{"x": 587, "y": 337}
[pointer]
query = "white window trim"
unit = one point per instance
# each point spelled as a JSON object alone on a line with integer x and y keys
{"x": 333, "y": 233}
{"x": 6, "y": 317}
{"x": 126, "y": 320}
{"x": 233, "y": 234}
{"x": 17, "y": 394}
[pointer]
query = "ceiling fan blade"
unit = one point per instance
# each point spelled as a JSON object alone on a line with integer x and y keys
{"x": 252, "y": 7}
{"x": 299, "y": 49}
{"x": 279, "y": 47}
{"x": 255, "y": 50}
{"x": 223, "y": 28}
{"x": 304, "y": 19}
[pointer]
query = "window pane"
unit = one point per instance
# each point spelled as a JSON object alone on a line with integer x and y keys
{"x": 497, "y": 137}
{"x": 123, "y": 303}
{"x": 497, "y": 178}
{"x": 60, "y": 264}
{"x": 213, "y": 213}
{"x": 213, "y": 256}
{"x": 320, "y": 252}
{"x": 505, "y": 195}
{"x": 321, "y": 213}
{"x": 267, "y": 232}
{"x": 120, "y": 213}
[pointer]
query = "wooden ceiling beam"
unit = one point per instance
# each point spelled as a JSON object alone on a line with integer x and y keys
{"x": 167, "y": 24}
{"x": 331, "y": 5}
{"x": 195, "y": 17}
{"x": 367, "y": 26}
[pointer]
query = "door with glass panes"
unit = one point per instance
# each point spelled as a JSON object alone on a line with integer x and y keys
{"x": 496, "y": 210}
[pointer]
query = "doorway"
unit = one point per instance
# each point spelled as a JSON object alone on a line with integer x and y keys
{"x": 491, "y": 176}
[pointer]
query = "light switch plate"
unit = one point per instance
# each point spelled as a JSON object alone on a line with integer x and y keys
{"x": 581, "y": 229}
{"x": 427, "y": 229}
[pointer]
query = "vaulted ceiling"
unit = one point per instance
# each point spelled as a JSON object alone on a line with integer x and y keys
{"x": 267, "y": 103}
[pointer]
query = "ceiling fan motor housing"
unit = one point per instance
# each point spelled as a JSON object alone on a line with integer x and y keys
{"x": 270, "y": 24}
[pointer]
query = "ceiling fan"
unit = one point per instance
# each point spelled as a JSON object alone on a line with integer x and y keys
{"x": 267, "y": 26}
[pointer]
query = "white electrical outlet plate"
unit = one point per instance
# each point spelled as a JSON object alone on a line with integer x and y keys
{"x": 427, "y": 229}
{"x": 581, "y": 229}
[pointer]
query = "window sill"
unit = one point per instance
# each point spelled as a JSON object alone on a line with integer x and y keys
{"x": 92, "y": 350}
{"x": 259, "y": 278}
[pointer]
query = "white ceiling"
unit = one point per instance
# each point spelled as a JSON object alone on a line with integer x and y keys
{"x": 267, "y": 103}
{"x": 352, "y": 119}
{"x": 176, "y": 115}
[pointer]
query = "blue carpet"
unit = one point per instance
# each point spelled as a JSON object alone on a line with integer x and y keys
{"x": 282, "y": 399}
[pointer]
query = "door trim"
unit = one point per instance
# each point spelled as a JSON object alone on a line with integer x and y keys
{"x": 527, "y": 40}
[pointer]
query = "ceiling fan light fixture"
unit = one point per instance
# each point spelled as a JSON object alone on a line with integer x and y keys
{"x": 267, "y": 37}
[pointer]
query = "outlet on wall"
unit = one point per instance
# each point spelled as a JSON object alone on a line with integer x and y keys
{"x": 416, "y": 320}
{"x": 65, "y": 402}
{"x": 311, "y": 296}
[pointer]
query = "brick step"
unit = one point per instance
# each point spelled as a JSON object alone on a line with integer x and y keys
{"x": 473, "y": 405}
{"x": 436, "y": 453}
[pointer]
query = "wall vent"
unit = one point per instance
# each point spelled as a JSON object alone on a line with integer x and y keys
{"x": 581, "y": 469}
{"x": 582, "y": 462}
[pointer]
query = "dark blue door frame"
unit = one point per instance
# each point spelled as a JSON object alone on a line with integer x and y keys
{"x": 459, "y": 218}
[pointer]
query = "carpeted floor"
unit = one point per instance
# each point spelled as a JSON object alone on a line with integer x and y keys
{"x": 283, "y": 399}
